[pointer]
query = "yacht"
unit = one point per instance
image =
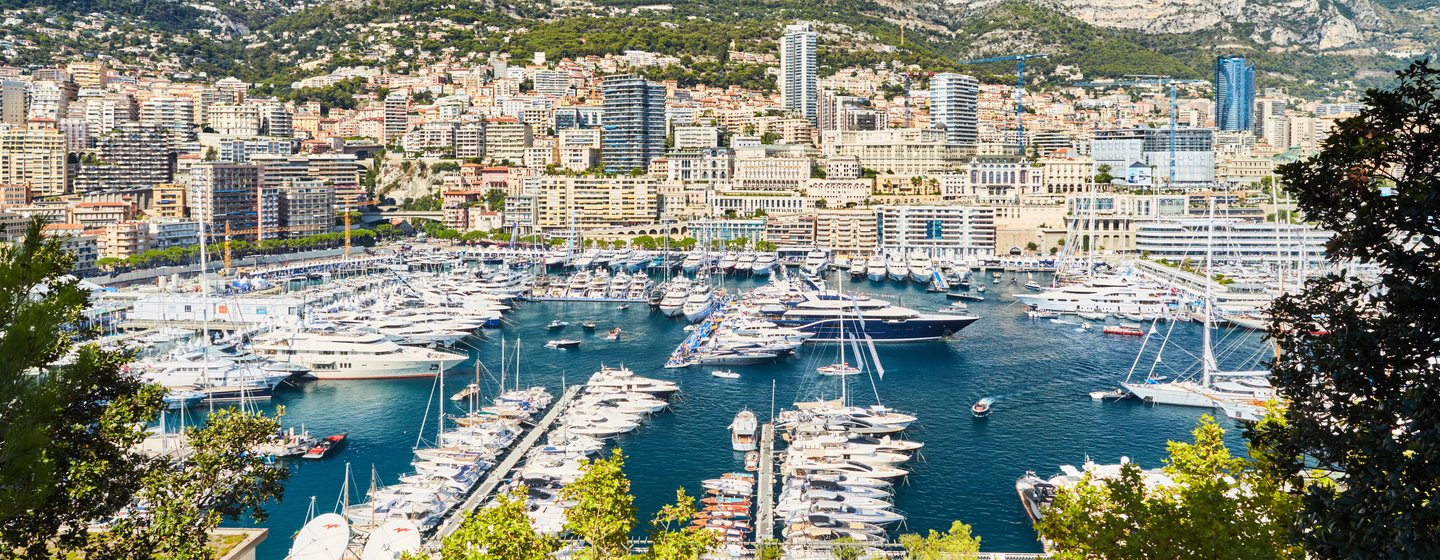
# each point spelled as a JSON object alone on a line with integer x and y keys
{"x": 815, "y": 262}
{"x": 920, "y": 267}
{"x": 334, "y": 355}
{"x": 1036, "y": 493}
{"x": 727, "y": 264}
{"x": 745, "y": 262}
{"x": 693, "y": 261}
{"x": 764, "y": 263}
{"x": 1101, "y": 298}
{"x": 897, "y": 269}
{"x": 825, "y": 313}
{"x": 699, "y": 303}
{"x": 742, "y": 431}
{"x": 875, "y": 267}
{"x": 676, "y": 293}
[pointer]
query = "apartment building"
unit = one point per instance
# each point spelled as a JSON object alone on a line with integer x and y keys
{"x": 957, "y": 230}
{"x": 35, "y": 157}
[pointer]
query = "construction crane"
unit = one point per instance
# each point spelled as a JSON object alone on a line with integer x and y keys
{"x": 351, "y": 205}
{"x": 231, "y": 233}
{"x": 1019, "y": 60}
{"x": 1148, "y": 81}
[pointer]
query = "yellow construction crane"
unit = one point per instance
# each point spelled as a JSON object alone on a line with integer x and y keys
{"x": 229, "y": 233}
{"x": 350, "y": 205}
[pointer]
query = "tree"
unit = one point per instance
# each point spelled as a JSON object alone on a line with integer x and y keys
{"x": 1032, "y": 246}
{"x": 846, "y": 548}
{"x": 955, "y": 544}
{"x": 499, "y": 532}
{"x": 66, "y": 432}
{"x": 1103, "y": 175}
{"x": 190, "y": 496}
{"x": 769, "y": 550}
{"x": 1218, "y": 507}
{"x": 69, "y": 429}
{"x": 1362, "y": 385}
{"x": 495, "y": 199}
{"x": 604, "y": 510}
{"x": 673, "y": 538}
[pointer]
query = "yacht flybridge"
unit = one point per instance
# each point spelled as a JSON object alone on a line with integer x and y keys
{"x": 338, "y": 355}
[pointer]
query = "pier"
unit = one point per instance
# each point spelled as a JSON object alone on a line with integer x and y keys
{"x": 765, "y": 491}
{"x": 501, "y": 472}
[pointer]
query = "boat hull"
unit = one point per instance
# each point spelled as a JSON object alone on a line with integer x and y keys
{"x": 1171, "y": 394}
{"x": 924, "y": 328}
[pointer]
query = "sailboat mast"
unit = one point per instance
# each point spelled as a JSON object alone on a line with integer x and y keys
{"x": 1207, "y": 360}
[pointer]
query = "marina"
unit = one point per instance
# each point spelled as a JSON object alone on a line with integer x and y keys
{"x": 1040, "y": 374}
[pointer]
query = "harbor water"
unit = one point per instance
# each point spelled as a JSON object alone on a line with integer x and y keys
{"x": 1039, "y": 372}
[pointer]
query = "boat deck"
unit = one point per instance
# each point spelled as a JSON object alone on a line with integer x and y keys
{"x": 501, "y": 472}
{"x": 765, "y": 490}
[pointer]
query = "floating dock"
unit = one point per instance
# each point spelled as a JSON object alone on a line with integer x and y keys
{"x": 765, "y": 491}
{"x": 501, "y": 472}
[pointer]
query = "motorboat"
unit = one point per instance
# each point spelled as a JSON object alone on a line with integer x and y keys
{"x": 336, "y": 355}
{"x": 325, "y": 446}
{"x": 1124, "y": 330}
{"x": 725, "y": 374}
{"x": 736, "y": 358}
{"x": 563, "y": 343}
{"x": 557, "y": 324}
{"x": 614, "y": 334}
{"x": 839, "y": 368}
{"x": 588, "y": 325}
{"x": 742, "y": 431}
{"x": 828, "y": 314}
{"x": 764, "y": 263}
{"x": 954, "y": 309}
{"x": 815, "y": 262}
{"x": 875, "y": 267}
{"x": 981, "y": 408}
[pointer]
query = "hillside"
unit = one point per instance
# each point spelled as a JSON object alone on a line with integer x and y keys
{"x": 1310, "y": 46}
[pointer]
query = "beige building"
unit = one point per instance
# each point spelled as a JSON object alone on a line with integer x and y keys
{"x": 846, "y": 231}
{"x": 1066, "y": 175}
{"x": 594, "y": 202}
{"x": 898, "y": 151}
{"x": 1035, "y": 219}
{"x": 506, "y": 140}
{"x": 1243, "y": 169}
{"x": 34, "y": 157}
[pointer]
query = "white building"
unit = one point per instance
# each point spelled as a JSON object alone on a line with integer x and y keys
{"x": 798, "y": 70}
{"x": 953, "y": 107}
{"x": 1232, "y": 241}
{"x": 956, "y": 230}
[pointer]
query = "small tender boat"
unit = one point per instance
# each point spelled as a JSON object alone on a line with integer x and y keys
{"x": 1123, "y": 330}
{"x": 614, "y": 334}
{"x": 563, "y": 343}
{"x": 622, "y": 307}
{"x": 557, "y": 324}
{"x": 752, "y": 461}
{"x": 954, "y": 309}
{"x": 841, "y": 368}
{"x": 1032, "y": 286}
{"x": 588, "y": 325}
{"x": 725, "y": 374}
{"x": 965, "y": 296}
{"x": 980, "y": 289}
{"x": 1092, "y": 316}
{"x": 326, "y": 446}
{"x": 981, "y": 408}
{"x": 465, "y": 393}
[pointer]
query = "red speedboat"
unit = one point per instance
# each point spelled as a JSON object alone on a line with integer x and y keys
{"x": 326, "y": 446}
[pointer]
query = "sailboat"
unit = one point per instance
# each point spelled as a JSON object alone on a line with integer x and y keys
{"x": 1207, "y": 393}
{"x": 840, "y": 367}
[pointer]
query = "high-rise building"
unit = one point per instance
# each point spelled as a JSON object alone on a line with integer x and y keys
{"x": 225, "y": 193}
{"x": 34, "y": 157}
{"x": 48, "y": 100}
{"x": 131, "y": 157}
{"x": 397, "y": 121}
{"x": 634, "y": 123}
{"x": 1234, "y": 93}
{"x": 232, "y": 88}
{"x": 798, "y": 69}
{"x": 174, "y": 116}
{"x": 953, "y": 107}
{"x": 88, "y": 74}
{"x": 14, "y": 102}
{"x": 307, "y": 207}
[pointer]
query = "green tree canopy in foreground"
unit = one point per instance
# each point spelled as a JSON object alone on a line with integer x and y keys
{"x": 71, "y": 418}
{"x": 1219, "y": 507}
{"x": 1358, "y": 358}
{"x": 673, "y": 538}
{"x": 604, "y": 510}
{"x": 955, "y": 544}
{"x": 499, "y": 532}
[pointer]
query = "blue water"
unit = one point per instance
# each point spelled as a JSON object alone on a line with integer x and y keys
{"x": 1039, "y": 372}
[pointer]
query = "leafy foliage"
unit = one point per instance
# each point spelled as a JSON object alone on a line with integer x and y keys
{"x": 499, "y": 532}
{"x": 604, "y": 510}
{"x": 673, "y": 538}
{"x": 955, "y": 544}
{"x": 1362, "y": 383}
{"x": 66, "y": 431}
{"x": 1219, "y": 507}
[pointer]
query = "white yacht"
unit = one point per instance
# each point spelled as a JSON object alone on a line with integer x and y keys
{"x": 875, "y": 267}
{"x": 333, "y": 355}
{"x": 742, "y": 431}
{"x": 675, "y": 295}
{"x": 699, "y": 303}
{"x": 1111, "y": 297}
{"x": 815, "y": 262}
{"x": 920, "y": 267}
{"x": 764, "y": 262}
{"x": 896, "y": 268}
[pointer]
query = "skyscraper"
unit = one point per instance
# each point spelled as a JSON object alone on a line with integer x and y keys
{"x": 1234, "y": 93}
{"x": 397, "y": 121}
{"x": 797, "y": 70}
{"x": 633, "y": 123}
{"x": 952, "y": 107}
